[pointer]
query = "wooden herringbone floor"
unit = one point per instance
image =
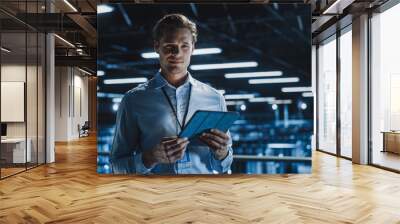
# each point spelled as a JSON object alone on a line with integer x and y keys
{"x": 70, "y": 191}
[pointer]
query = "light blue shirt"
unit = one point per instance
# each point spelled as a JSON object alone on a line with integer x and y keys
{"x": 144, "y": 117}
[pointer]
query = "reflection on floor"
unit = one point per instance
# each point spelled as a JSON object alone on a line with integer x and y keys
{"x": 10, "y": 171}
{"x": 386, "y": 159}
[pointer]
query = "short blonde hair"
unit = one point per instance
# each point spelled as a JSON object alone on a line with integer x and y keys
{"x": 172, "y": 22}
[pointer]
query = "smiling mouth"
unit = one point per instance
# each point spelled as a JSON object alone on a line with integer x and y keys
{"x": 175, "y": 62}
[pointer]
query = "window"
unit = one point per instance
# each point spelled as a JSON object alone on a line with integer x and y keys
{"x": 385, "y": 88}
{"x": 327, "y": 95}
{"x": 23, "y": 77}
{"x": 346, "y": 92}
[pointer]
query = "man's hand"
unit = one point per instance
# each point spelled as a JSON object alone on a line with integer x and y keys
{"x": 169, "y": 150}
{"x": 217, "y": 141}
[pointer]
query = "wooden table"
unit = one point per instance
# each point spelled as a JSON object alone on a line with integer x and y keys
{"x": 391, "y": 141}
{"x": 13, "y": 150}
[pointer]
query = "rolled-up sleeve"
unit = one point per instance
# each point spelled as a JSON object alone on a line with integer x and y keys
{"x": 224, "y": 165}
{"x": 125, "y": 157}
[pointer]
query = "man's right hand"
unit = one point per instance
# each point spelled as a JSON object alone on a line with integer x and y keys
{"x": 169, "y": 150}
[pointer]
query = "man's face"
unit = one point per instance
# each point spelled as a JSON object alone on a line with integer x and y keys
{"x": 175, "y": 49}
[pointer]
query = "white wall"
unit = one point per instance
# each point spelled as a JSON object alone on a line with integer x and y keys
{"x": 16, "y": 73}
{"x": 71, "y": 93}
{"x": 33, "y": 126}
{"x": 61, "y": 103}
{"x": 10, "y": 73}
{"x": 80, "y": 100}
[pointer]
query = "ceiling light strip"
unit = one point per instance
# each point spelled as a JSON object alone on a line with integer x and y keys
{"x": 238, "y": 96}
{"x": 64, "y": 40}
{"x": 274, "y": 80}
{"x": 224, "y": 65}
{"x": 5, "y": 50}
{"x": 70, "y": 5}
{"x": 125, "y": 80}
{"x": 296, "y": 89}
{"x": 201, "y": 51}
{"x": 253, "y": 74}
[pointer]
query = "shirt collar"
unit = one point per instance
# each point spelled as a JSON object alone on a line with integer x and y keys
{"x": 159, "y": 81}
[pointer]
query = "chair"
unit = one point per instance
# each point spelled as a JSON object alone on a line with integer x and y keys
{"x": 84, "y": 130}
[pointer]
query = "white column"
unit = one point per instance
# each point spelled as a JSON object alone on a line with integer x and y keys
{"x": 63, "y": 99}
{"x": 314, "y": 91}
{"x": 360, "y": 90}
{"x": 50, "y": 94}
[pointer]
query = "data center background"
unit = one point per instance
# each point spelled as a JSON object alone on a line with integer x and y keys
{"x": 273, "y": 134}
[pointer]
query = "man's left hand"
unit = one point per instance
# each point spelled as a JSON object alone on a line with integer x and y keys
{"x": 217, "y": 141}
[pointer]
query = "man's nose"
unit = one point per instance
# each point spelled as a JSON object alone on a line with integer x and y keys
{"x": 175, "y": 50}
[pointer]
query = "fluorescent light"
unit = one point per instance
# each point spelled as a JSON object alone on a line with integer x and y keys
{"x": 238, "y": 96}
{"x": 303, "y": 106}
{"x": 115, "y": 107}
{"x": 200, "y": 51}
{"x": 70, "y": 5}
{"x": 234, "y": 103}
{"x": 280, "y": 102}
{"x": 281, "y": 145}
{"x": 106, "y": 167}
{"x": 84, "y": 71}
{"x": 117, "y": 100}
{"x": 296, "y": 89}
{"x": 261, "y": 99}
{"x": 65, "y": 41}
{"x": 109, "y": 95}
{"x": 221, "y": 91}
{"x": 150, "y": 55}
{"x": 104, "y": 9}
{"x": 224, "y": 65}
{"x": 100, "y": 73}
{"x": 5, "y": 50}
{"x": 274, "y": 80}
{"x": 308, "y": 94}
{"x": 253, "y": 74}
{"x": 125, "y": 81}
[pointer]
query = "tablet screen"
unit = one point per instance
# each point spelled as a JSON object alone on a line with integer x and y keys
{"x": 203, "y": 121}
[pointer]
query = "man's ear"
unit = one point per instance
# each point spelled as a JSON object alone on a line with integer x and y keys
{"x": 156, "y": 46}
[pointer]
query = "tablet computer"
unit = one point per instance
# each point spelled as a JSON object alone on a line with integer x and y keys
{"x": 203, "y": 121}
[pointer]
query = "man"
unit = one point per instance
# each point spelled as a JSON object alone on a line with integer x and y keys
{"x": 151, "y": 115}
